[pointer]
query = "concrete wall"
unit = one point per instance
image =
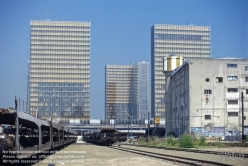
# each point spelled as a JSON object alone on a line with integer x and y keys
{"x": 196, "y": 94}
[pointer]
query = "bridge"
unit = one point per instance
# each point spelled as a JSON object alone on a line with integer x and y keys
{"x": 125, "y": 129}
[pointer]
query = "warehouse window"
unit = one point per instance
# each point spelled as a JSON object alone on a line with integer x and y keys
{"x": 246, "y": 91}
{"x": 219, "y": 79}
{"x": 232, "y": 90}
{"x": 232, "y": 78}
{"x": 207, "y": 91}
{"x": 231, "y": 65}
{"x": 246, "y": 68}
{"x": 233, "y": 102}
{"x": 207, "y": 79}
{"x": 246, "y": 79}
{"x": 207, "y": 116}
{"x": 232, "y": 113}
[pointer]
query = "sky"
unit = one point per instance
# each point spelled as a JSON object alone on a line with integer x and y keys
{"x": 120, "y": 35}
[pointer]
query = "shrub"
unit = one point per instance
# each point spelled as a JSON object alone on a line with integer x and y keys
{"x": 171, "y": 141}
{"x": 186, "y": 141}
{"x": 201, "y": 141}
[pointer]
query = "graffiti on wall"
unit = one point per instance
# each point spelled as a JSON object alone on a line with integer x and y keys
{"x": 214, "y": 131}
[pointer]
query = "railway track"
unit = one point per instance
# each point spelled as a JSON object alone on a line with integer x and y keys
{"x": 175, "y": 159}
{"x": 83, "y": 143}
{"x": 220, "y": 152}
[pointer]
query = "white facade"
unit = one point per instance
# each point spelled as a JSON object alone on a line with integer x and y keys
{"x": 205, "y": 95}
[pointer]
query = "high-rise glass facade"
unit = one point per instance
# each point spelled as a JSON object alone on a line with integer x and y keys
{"x": 127, "y": 91}
{"x": 119, "y": 92}
{"x": 143, "y": 89}
{"x": 188, "y": 41}
{"x": 59, "y": 70}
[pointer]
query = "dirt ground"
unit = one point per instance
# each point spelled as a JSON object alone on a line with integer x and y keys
{"x": 92, "y": 155}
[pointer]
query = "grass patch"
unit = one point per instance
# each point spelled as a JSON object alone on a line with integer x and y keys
{"x": 158, "y": 142}
{"x": 185, "y": 141}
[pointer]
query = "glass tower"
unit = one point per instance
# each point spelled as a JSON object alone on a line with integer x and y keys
{"x": 59, "y": 70}
{"x": 188, "y": 41}
{"x": 127, "y": 91}
{"x": 143, "y": 89}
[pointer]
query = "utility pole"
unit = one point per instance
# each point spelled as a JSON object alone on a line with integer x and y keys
{"x": 15, "y": 103}
{"x": 148, "y": 124}
{"x": 81, "y": 132}
{"x": 128, "y": 125}
{"x": 114, "y": 118}
{"x": 131, "y": 126}
{"x": 242, "y": 109}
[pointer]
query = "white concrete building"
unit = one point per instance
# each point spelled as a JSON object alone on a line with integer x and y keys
{"x": 204, "y": 95}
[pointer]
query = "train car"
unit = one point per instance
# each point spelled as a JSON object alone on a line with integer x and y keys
{"x": 24, "y": 132}
{"x": 106, "y": 136}
{"x": 6, "y": 138}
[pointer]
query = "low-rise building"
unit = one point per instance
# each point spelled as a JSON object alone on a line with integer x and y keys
{"x": 204, "y": 97}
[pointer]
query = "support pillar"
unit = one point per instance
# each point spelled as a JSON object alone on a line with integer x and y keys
{"x": 51, "y": 137}
{"x": 63, "y": 135}
{"x": 17, "y": 144}
{"x": 40, "y": 138}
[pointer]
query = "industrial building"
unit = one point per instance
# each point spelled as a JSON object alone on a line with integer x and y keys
{"x": 188, "y": 41}
{"x": 59, "y": 70}
{"x": 204, "y": 96}
{"x": 127, "y": 91}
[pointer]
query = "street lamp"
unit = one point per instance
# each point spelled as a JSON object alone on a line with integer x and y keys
{"x": 148, "y": 124}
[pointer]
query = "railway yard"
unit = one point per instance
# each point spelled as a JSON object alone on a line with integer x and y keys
{"x": 81, "y": 153}
{"x": 28, "y": 140}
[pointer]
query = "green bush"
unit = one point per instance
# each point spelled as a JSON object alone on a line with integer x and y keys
{"x": 186, "y": 141}
{"x": 171, "y": 141}
{"x": 201, "y": 141}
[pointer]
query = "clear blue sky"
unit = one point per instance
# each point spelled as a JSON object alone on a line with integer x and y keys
{"x": 120, "y": 34}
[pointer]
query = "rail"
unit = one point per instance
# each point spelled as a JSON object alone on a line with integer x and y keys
{"x": 177, "y": 159}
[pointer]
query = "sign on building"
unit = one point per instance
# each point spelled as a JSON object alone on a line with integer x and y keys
{"x": 157, "y": 120}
